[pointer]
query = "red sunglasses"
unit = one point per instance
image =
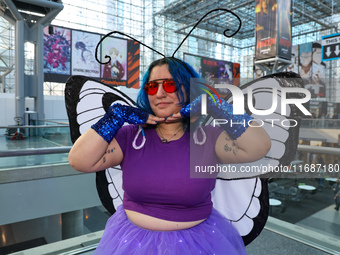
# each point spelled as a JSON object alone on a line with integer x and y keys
{"x": 151, "y": 87}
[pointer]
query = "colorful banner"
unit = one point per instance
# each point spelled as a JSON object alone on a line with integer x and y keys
{"x": 266, "y": 29}
{"x": 83, "y": 54}
{"x": 273, "y": 29}
{"x": 294, "y": 67}
{"x": 284, "y": 35}
{"x": 236, "y": 74}
{"x": 117, "y": 50}
{"x": 224, "y": 71}
{"x": 317, "y": 84}
{"x": 57, "y": 52}
{"x": 331, "y": 47}
{"x": 133, "y": 64}
{"x": 219, "y": 70}
{"x": 305, "y": 60}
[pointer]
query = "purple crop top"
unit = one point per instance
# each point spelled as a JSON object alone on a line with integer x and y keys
{"x": 156, "y": 178}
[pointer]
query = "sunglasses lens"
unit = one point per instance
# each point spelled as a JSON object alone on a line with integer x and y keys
{"x": 169, "y": 86}
{"x": 151, "y": 88}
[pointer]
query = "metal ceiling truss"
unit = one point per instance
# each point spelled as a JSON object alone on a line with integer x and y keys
{"x": 304, "y": 12}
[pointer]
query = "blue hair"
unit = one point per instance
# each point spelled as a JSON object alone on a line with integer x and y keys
{"x": 181, "y": 72}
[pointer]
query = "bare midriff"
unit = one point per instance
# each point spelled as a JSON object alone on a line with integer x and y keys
{"x": 156, "y": 224}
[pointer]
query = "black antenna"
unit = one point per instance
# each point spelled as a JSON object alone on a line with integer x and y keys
{"x": 118, "y": 32}
{"x": 224, "y": 32}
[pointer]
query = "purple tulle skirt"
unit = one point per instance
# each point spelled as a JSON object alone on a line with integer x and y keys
{"x": 215, "y": 235}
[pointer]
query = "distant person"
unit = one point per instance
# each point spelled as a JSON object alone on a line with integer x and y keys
{"x": 321, "y": 163}
{"x": 336, "y": 190}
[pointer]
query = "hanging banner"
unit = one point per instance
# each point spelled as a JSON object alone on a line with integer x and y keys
{"x": 236, "y": 74}
{"x": 212, "y": 70}
{"x": 57, "y": 54}
{"x": 317, "y": 83}
{"x": 305, "y": 60}
{"x": 217, "y": 70}
{"x": 133, "y": 65}
{"x": 225, "y": 72}
{"x": 331, "y": 47}
{"x": 83, "y": 54}
{"x": 294, "y": 67}
{"x": 266, "y": 29}
{"x": 116, "y": 69}
{"x": 284, "y": 35}
{"x": 273, "y": 29}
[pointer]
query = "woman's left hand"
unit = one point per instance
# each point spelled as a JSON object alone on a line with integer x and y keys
{"x": 173, "y": 117}
{"x": 177, "y": 116}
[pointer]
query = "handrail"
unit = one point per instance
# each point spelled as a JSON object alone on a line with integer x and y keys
{"x": 39, "y": 151}
{"x": 66, "y": 149}
{"x": 54, "y": 121}
{"x": 319, "y": 149}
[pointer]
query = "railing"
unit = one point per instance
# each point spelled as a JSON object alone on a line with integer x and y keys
{"x": 321, "y": 123}
{"x": 40, "y": 151}
{"x": 34, "y": 145}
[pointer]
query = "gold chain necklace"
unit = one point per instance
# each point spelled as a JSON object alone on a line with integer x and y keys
{"x": 163, "y": 139}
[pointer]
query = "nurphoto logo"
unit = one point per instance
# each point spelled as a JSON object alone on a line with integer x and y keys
{"x": 239, "y": 104}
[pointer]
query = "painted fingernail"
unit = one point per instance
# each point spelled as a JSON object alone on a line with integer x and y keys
{"x": 165, "y": 118}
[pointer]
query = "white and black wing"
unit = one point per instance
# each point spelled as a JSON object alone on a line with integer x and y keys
{"x": 86, "y": 101}
{"x": 241, "y": 196}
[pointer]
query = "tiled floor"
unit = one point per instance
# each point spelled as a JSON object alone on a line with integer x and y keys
{"x": 326, "y": 221}
{"x": 269, "y": 243}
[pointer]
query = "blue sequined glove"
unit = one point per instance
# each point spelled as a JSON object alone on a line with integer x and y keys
{"x": 236, "y": 124}
{"x": 115, "y": 117}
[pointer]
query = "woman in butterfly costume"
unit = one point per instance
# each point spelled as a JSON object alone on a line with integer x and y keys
{"x": 165, "y": 211}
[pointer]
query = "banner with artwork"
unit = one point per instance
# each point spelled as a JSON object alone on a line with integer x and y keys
{"x": 133, "y": 65}
{"x": 236, "y": 74}
{"x": 316, "y": 83}
{"x": 83, "y": 54}
{"x": 266, "y": 29}
{"x": 224, "y": 71}
{"x": 305, "y": 60}
{"x": 57, "y": 53}
{"x": 273, "y": 29}
{"x": 116, "y": 48}
{"x": 294, "y": 67}
{"x": 72, "y": 52}
{"x": 284, "y": 35}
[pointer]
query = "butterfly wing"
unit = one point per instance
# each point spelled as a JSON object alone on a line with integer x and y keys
{"x": 86, "y": 101}
{"x": 248, "y": 210}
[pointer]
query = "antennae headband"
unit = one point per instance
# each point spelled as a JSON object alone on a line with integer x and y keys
{"x": 118, "y": 32}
